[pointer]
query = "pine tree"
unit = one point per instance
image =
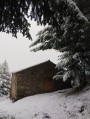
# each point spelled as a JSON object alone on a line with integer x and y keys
{"x": 5, "y": 68}
{"x": 72, "y": 38}
{"x": 5, "y": 79}
{"x": 14, "y": 14}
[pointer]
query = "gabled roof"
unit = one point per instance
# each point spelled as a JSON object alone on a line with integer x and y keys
{"x": 34, "y": 66}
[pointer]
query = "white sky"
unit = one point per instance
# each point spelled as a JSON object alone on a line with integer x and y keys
{"x": 17, "y": 51}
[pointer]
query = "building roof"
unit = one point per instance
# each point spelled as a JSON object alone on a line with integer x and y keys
{"x": 33, "y": 66}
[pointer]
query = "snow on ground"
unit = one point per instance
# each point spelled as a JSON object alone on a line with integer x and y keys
{"x": 62, "y": 104}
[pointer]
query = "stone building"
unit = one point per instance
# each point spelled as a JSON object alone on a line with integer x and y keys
{"x": 34, "y": 80}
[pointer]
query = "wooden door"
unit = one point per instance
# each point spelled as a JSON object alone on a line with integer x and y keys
{"x": 48, "y": 85}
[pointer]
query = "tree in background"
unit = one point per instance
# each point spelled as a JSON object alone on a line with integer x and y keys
{"x": 71, "y": 37}
{"x": 5, "y": 79}
{"x": 5, "y": 68}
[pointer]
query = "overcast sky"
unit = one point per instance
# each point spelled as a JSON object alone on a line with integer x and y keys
{"x": 17, "y": 51}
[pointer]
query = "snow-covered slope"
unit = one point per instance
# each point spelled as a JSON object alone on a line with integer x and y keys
{"x": 62, "y": 104}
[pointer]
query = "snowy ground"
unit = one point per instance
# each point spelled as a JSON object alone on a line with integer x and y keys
{"x": 62, "y": 104}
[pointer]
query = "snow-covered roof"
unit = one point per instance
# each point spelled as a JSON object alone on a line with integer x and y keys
{"x": 32, "y": 66}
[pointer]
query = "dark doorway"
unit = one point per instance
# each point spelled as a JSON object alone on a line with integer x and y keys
{"x": 48, "y": 85}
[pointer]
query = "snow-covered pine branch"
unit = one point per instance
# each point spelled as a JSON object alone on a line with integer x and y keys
{"x": 71, "y": 37}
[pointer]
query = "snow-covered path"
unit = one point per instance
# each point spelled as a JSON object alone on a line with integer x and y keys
{"x": 62, "y": 104}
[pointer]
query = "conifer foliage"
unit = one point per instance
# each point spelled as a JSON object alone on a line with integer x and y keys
{"x": 69, "y": 35}
{"x": 14, "y": 14}
{"x": 5, "y": 79}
